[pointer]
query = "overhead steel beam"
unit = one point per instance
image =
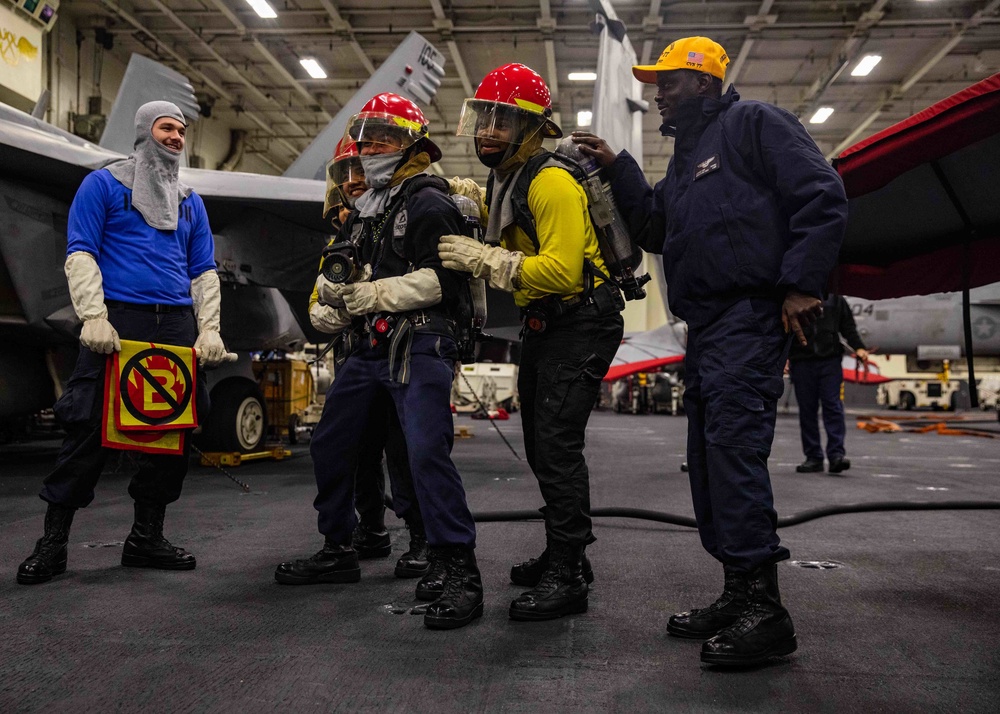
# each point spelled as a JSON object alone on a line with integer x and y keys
{"x": 755, "y": 23}
{"x": 844, "y": 55}
{"x": 547, "y": 26}
{"x": 924, "y": 67}
{"x": 343, "y": 28}
{"x": 226, "y": 64}
{"x": 266, "y": 54}
{"x": 191, "y": 70}
{"x": 446, "y": 29}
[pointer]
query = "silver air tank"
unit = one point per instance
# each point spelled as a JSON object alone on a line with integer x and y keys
{"x": 477, "y": 286}
{"x": 621, "y": 255}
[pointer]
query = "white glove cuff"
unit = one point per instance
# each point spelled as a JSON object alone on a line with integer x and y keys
{"x": 206, "y": 298}
{"x": 86, "y": 286}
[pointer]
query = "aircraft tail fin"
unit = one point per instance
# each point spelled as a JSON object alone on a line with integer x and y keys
{"x": 145, "y": 81}
{"x": 413, "y": 70}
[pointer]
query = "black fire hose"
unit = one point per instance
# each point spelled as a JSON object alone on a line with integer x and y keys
{"x": 792, "y": 520}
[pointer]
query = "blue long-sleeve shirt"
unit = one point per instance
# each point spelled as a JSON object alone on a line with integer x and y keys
{"x": 139, "y": 264}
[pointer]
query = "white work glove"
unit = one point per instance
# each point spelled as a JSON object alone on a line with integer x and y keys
{"x": 206, "y": 298}
{"x": 501, "y": 267}
{"x": 328, "y": 319}
{"x": 360, "y": 298}
{"x": 86, "y": 291}
{"x": 329, "y": 293}
{"x": 470, "y": 189}
{"x": 403, "y": 293}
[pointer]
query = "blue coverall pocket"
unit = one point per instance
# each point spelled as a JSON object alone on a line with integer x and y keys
{"x": 83, "y": 397}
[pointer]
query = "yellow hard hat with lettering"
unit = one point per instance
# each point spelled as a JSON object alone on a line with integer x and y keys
{"x": 696, "y": 53}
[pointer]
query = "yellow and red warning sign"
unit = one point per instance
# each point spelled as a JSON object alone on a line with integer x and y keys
{"x": 149, "y": 398}
{"x": 155, "y": 387}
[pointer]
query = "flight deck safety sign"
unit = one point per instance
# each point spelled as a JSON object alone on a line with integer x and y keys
{"x": 150, "y": 400}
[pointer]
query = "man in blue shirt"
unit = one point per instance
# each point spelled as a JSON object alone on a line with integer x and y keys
{"x": 140, "y": 266}
{"x": 749, "y": 220}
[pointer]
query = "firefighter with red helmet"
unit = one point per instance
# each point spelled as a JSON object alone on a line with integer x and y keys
{"x": 550, "y": 260}
{"x": 345, "y": 182}
{"x": 394, "y": 314}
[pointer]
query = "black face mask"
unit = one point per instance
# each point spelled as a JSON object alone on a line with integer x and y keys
{"x": 491, "y": 160}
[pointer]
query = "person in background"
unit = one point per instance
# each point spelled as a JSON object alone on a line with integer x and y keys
{"x": 818, "y": 377}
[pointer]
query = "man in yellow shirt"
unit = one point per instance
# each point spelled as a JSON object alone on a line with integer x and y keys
{"x": 551, "y": 262}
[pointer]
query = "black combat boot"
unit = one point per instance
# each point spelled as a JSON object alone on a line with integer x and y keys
{"x": 704, "y": 622}
{"x": 414, "y": 563}
{"x": 561, "y": 590}
{"x": 146, "y": 547}
{"x": 333, "y": 564}
{"x": 763, "y": 630}
{"x": 529, "y": 573}
{"x": 371, "y": 541}
{"x": 49, "y": 556}
{"x": 431, "y": 585}
{"x": 461, "y": 598}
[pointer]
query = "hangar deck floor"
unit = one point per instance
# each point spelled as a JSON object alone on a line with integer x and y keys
{"x": 910, "y": 623}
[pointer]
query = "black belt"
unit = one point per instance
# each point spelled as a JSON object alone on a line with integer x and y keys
{"x": 119, "y": 305}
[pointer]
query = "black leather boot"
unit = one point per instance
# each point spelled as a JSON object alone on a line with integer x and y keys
{"x": 146, "y": 547}
{"x": 763, "y": 630}
{"x": 414, "y": 563}
{"x": 333, "y": 564}
{"x": 371, "y": 542}
{"x": 704, "y": 622}
{"x": 529, "y": 573}
{"x": 431, "y": 585}
{"x": 461, "y": 599}
{"x": 561, "y": 590}
{"x": 49, "y": 556}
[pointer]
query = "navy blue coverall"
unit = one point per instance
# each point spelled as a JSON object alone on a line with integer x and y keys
{"x": 392, "y": 244}
{"x": 818, "y": 377}
{"x": 749, "y": 209}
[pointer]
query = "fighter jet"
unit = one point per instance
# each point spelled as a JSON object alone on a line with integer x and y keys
{"x": 269, "y": 233}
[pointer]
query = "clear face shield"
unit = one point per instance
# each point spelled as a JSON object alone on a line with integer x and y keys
{"x": 378, "y": 133}
{"x": 498, "y": 129}
{"x": 348, "y": 175}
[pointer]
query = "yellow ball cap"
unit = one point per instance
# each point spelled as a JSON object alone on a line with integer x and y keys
{"x": 698, "y": 53}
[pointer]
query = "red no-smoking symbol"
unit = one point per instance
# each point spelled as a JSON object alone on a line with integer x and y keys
{"x": 155, "y": 386}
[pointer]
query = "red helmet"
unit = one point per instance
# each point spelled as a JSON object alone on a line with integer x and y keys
{"x": 507, "y": 91}
{"x": 345, "y": 166}
{"x": 393, "y": 120}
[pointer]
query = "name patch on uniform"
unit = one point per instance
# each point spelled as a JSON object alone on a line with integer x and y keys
{"x": 706, "y": 167}
{"x": 399, "y": 226}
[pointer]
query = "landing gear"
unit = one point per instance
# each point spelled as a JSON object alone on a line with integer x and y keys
{"x": 237, "y": 420}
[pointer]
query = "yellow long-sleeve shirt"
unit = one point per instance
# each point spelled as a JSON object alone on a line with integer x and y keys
{"x": 565, "y": 237}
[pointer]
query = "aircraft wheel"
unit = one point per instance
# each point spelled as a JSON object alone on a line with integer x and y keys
{"x": 293, "y": 423}
{"x": 907, "y": 401}
{"x": 237, "y": 420}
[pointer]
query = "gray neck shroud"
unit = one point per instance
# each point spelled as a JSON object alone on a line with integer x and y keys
{"x": 151, "y": 171}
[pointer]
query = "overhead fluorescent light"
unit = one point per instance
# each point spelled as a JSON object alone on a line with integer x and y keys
{"x": 313, "y": 68}
{"x": 262, "y": 8}
{"x": 583, "y": 118}
{"x": 821, "y": 115}
{"x": 582, "y": 76}
{"x": 866, "y": 65}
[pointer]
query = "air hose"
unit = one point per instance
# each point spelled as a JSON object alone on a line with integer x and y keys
{"x": 792, "y": 520}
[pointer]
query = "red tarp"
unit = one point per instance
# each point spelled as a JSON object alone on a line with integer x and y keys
{"x": 905, "y": 236}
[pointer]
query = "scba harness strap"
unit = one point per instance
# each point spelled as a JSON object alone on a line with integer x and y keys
{"x": 394, "y": 332}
